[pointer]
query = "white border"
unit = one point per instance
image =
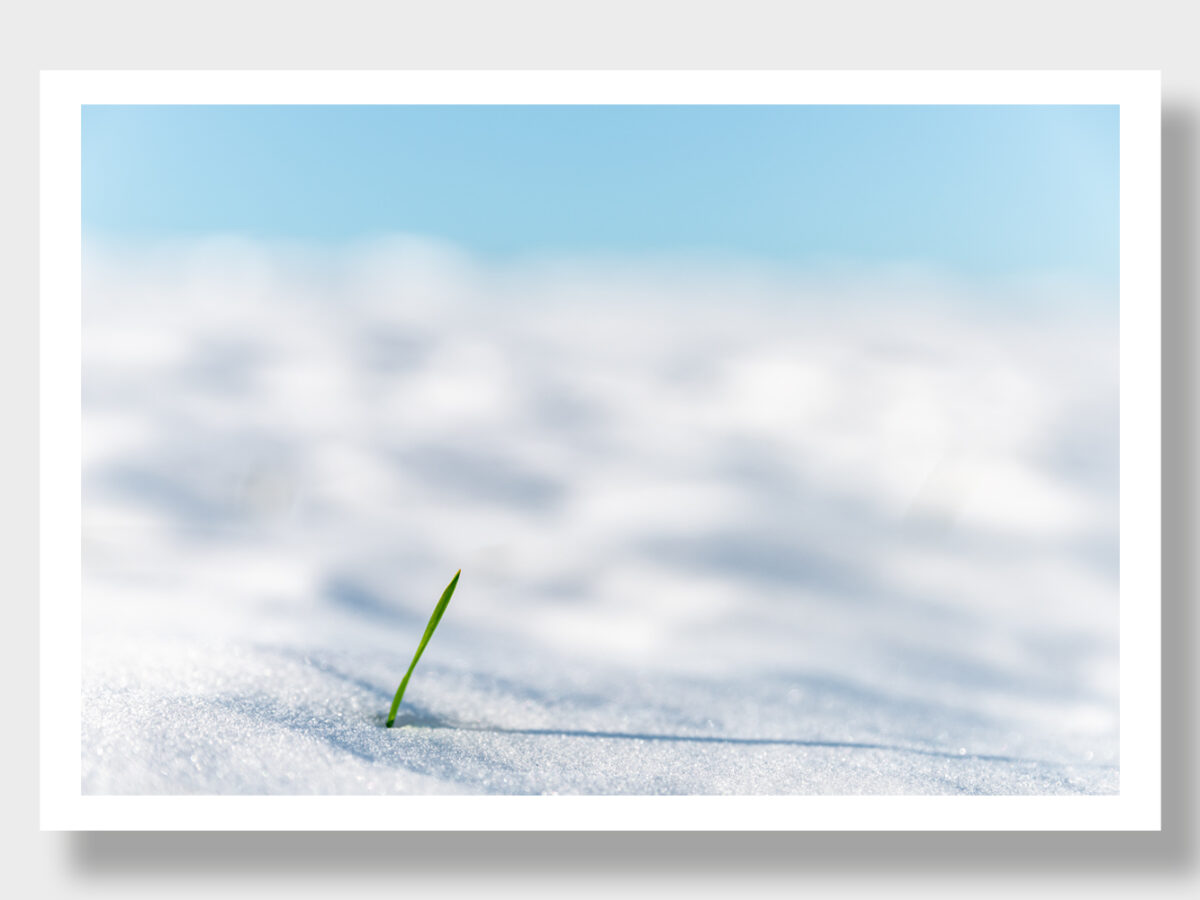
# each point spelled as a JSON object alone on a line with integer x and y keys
{"x": 63, "y": 807}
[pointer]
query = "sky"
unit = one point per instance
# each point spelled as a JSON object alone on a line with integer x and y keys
{"x": 981, "y": 192}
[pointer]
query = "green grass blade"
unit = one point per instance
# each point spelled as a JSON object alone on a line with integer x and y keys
{"x": 429, "y": 629}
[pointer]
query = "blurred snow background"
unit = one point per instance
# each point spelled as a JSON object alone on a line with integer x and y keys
{"x": 721, "y": 529}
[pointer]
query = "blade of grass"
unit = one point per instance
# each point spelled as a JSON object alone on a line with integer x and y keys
{"x": 429, "y": 629}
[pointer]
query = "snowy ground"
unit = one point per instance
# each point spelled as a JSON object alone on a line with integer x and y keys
{"x": 719, "y": 533}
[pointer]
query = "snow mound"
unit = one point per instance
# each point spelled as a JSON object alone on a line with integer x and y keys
{"x": 718, "y": 533}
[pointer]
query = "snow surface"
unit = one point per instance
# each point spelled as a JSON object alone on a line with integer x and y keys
{"x": 721, "y": 531}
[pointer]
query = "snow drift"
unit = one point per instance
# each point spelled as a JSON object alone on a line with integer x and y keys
{"x": 721, "y": 530}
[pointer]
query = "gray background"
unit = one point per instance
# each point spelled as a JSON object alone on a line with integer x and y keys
{"x": 243, "y": 34}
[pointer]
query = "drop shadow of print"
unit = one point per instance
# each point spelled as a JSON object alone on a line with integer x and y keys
{"x": 1171, "y": 851}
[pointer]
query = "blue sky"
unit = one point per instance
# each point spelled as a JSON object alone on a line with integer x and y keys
{"x": 984, "y": 192}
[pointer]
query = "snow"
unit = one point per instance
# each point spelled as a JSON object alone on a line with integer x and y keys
{"x": 721, "y": 530}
